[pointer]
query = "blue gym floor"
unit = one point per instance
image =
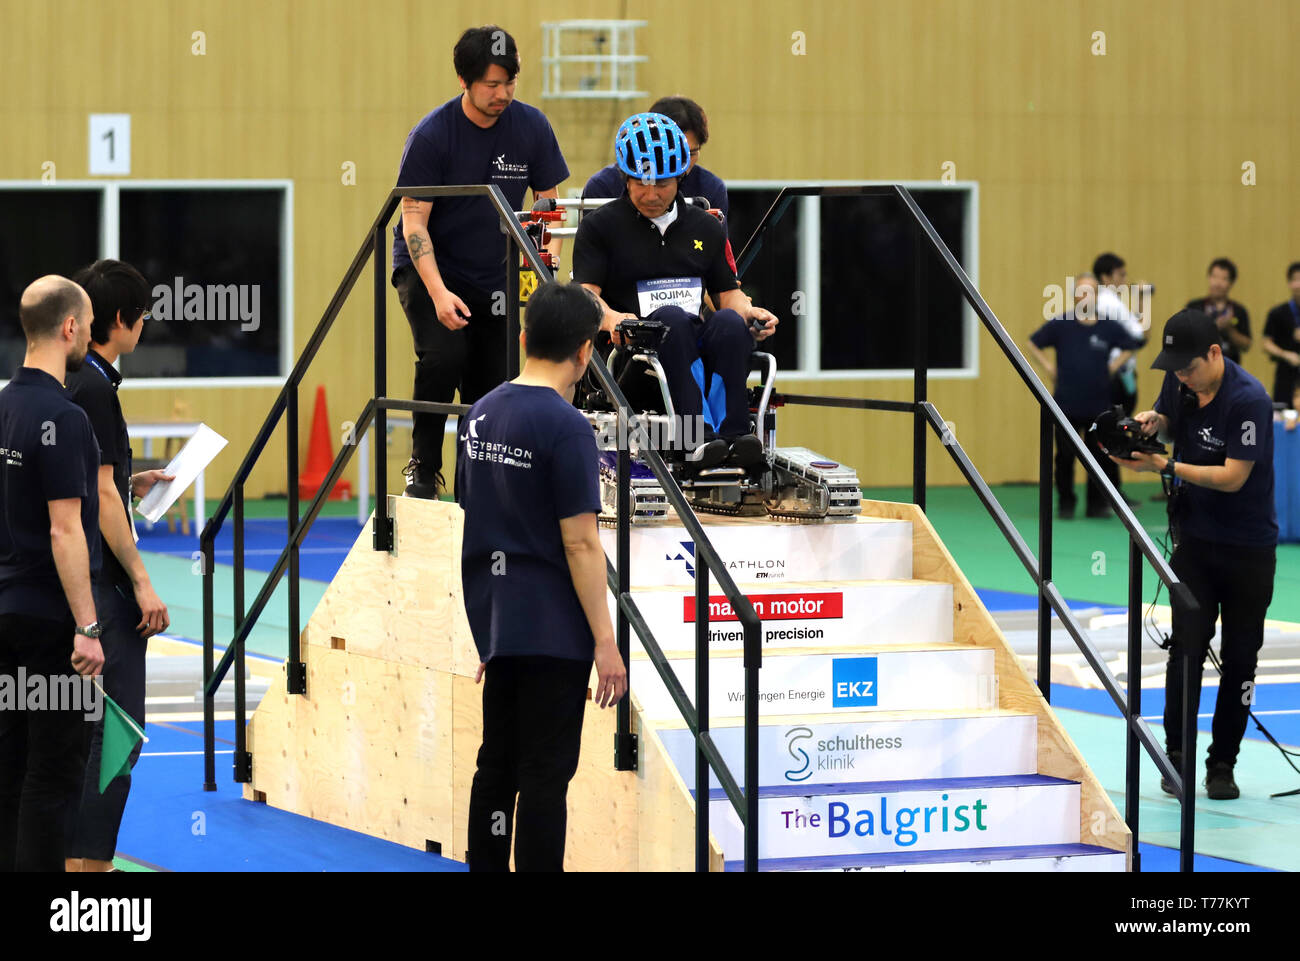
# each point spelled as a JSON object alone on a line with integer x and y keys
{"x": 172, "y": 824}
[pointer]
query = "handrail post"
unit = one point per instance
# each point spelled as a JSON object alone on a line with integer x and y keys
{"x": 243, "y": 760}
{"x": 382, "y": 531}
{"x": 206, "y": 559}
{"x": 702, "y": 770}
{"x": 295, "y": 669}
{"x": 512, "y": 308}
{"x": 1045, "y": 424}
{"x": 753, "y": 661}
{"x": 1187, "y": 825}
{"x": 1133, "y": 750}
{"x": 921, "y": 362}
{"x": 625, "y": 755}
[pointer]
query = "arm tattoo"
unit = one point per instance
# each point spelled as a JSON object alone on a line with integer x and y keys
{"x": 417, "y": 246}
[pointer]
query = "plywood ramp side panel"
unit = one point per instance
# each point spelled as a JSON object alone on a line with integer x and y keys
{"x": 1100, "y": 822}
{"x": 667, "y": 824}
{"x": 602, "y": 802}
{"x": 367, "y": 748}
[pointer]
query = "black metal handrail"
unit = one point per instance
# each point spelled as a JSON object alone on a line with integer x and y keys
{"x": 927, "y": 241}
{"x": 708, "y": 757}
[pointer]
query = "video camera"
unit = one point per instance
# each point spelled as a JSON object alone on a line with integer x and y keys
{"x": 1122, "y": 436}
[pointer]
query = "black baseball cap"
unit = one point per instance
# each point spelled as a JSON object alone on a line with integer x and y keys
{"x": 1188, "y": 334}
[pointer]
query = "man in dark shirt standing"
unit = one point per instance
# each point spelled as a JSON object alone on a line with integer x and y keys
{"x": 1082, "y": 384}
{"x": 1282, "y": 342}
{"x": 449, "y": 258}
{"x": 130, "y": 611}
{"x": 1232, "y": 319}
{"x": 49, "y": 551}
{"x": 533, "y": 572}
{"x": 1224, "y": 528}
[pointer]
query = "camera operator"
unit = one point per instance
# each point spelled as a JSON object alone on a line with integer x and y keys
{"x": 1223, "y": 525}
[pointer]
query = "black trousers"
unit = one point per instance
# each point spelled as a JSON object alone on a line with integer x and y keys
{"x": 472, "y": 359}
{"x": 533, "y": 708}
{"x": 1236, "y": 583}
{"x": 94, "y": 818}
{"x": 41, "y": 751}
{"x": 1065, "y": 461}
{"x": 694, "y": 352}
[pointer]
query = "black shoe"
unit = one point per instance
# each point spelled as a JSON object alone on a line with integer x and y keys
{"x": 1132, "y": 504}
{"x": 709, "y": 454}
{"x": 1176, "y": 759}
{"x": 745, "y": 451}
{"x": 422, "y": 483}
{"x": 1219, "y": 784}
{"x": 1065, "y": 512}
{"x": 1101, "y": 510}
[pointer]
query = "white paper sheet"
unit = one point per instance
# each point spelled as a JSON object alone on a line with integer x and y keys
{"x": 193, "y": 458}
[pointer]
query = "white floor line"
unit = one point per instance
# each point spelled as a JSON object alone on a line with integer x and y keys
{"x": 179, "y": 753}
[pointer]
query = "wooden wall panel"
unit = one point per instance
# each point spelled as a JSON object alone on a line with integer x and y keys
{"x": 1140, "y": 150}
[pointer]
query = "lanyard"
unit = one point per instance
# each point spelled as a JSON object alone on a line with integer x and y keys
{"x": 95, "y": 364}
{"x": 1295, "y": 311}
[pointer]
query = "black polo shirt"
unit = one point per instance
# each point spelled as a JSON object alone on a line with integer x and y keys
{"x": 620, "y": 251}
{"x": 47, "y": 453}
{"x": 1240, "y": 320}
{"x": 94, "y": 390}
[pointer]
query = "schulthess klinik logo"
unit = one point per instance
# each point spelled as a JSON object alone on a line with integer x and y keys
{"x": 792, "y": 738}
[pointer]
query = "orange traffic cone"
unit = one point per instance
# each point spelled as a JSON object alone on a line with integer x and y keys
{"x": 320, "y": 456}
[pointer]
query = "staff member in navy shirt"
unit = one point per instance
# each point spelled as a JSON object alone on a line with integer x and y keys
{"x": 1220, "y": 420}
{"x": 1082, "y": 375}
{"x": 129, "y": 608}
{"x": 449, "y": 258}
{"x": 49, "y": 550}
{"x": 533, "y": 572}
{"x": 696, "y": 181}
{"x": 1282, "y": 342}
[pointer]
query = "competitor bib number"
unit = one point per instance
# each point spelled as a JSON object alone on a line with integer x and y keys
{"x": 684, "y": 292}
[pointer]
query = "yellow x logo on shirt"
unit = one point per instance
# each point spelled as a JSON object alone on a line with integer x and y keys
{"x": 699, "y": 244}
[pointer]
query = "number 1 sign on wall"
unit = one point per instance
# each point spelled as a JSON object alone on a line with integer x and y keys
{"x": 110, "y": 143}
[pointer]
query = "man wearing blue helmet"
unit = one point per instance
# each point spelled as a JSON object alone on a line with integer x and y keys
{"x": 649, "y": 255}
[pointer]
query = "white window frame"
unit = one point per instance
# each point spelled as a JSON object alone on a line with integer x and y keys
{"x": 109, "y": 247}
{"x": 809, "y": 280}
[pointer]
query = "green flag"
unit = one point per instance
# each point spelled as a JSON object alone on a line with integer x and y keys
{"x": 121, "y": 735}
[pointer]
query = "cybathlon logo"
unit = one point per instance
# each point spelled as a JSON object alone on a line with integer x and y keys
{"x": 1206, "y": 434}
{"x": 853, "y": 682}
{"x": 792, "y": 738}
{"x": 688, "y": 558}
{"x": 760, "y": 568}
{"x": 473, "y": 428}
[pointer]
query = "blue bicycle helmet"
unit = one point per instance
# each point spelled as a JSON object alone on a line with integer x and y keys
{"x": 651, "y": 147}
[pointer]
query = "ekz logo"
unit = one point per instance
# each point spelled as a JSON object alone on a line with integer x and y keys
{"x": 853, "y": 682}
{"x": 792, "y": 738}
{"x": 688, "y": 558}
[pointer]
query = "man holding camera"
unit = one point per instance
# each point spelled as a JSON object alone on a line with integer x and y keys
{"x": 1224, "y": 527}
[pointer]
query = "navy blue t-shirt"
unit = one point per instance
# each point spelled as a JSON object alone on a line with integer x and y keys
{"x": 1237, "y": 423}
{"x": 698, "y": 182}
{"x": 527, "y": 460}
{"x": 517, "y": 152}
{"x": 1082, "y": 361}
{"x": 47, "y": 453}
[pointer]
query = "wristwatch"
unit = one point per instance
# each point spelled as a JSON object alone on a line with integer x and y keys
{"x": 1167, "y": 471}
{"x": 91, "y": 630}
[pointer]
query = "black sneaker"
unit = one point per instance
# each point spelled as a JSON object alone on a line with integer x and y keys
{"x": 1176, "y": 759}
{"x": 709, "y": 454}
{"x": 421, "y": 483}
{"x": 745, "y": 451}
{"x": 1219, "y": 784}
{"x": 1065, "y": 512}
